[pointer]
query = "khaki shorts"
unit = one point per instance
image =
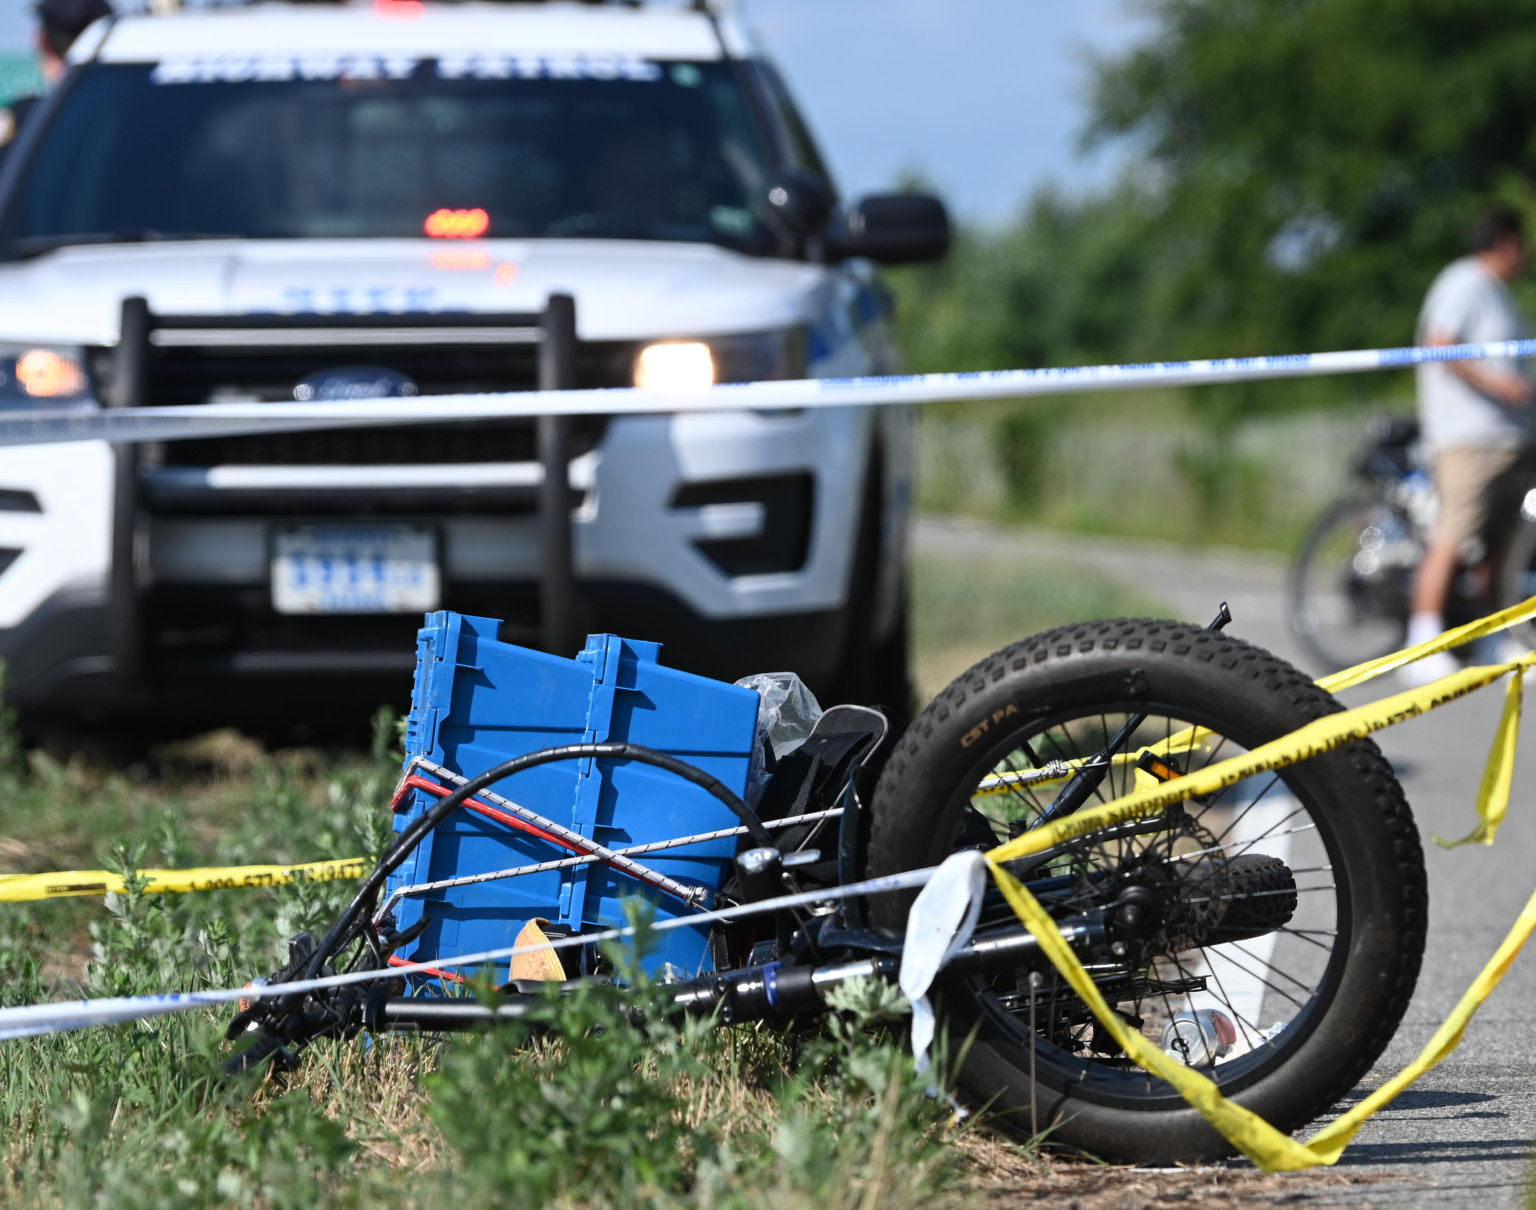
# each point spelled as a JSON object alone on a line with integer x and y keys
{"x": 1480, "y": 493}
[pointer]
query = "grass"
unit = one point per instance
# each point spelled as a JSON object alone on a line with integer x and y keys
{"x": 602, "y": 1111}
{"x": 1165, "y": 465}
{"x": 965, "y": 608}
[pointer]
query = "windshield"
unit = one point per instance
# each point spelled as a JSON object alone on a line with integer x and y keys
{"x": 374, "y": 148}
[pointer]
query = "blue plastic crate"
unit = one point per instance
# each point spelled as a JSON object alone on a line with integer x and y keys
{"x": 479, "y": 701}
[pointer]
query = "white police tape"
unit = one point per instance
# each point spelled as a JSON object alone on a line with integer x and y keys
{"x": 126, "y": 425}
{"x": 566, "y": 863}
{"x": 36, "y": 1020}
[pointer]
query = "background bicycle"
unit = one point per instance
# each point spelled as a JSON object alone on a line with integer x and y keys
{"x": 1351, "y": 579}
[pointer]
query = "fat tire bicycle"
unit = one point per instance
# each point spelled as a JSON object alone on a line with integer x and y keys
{"x": 1269, "y": 934}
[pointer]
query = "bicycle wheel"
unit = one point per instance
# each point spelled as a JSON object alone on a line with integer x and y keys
{"x": 1287, "y": 911}
{"x": 1350, "y": 583}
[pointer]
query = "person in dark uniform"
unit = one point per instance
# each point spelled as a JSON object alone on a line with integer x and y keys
{"x": 59, "y": 23}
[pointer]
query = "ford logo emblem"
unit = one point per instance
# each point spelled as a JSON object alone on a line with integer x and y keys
{"x": 354, "y": 382}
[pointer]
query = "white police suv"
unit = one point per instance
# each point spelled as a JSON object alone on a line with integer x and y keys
{"x": 281, "y": 201}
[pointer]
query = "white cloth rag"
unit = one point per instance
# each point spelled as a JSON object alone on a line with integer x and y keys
{"x": 940, "y": 924}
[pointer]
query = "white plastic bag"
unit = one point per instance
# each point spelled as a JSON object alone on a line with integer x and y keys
{"x": 786, "y": 713}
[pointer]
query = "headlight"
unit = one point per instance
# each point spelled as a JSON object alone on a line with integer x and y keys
{"x": 675, "y": 366}
{"x": 752, "y": 357}
{"x": 31, "y": 374}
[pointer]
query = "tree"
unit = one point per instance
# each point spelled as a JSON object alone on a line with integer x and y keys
{"x": 1313, "y": 163}
{"x": 1299, "y": 171}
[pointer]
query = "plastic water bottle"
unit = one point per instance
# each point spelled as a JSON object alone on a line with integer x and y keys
{"x": 1198, "y": 1039}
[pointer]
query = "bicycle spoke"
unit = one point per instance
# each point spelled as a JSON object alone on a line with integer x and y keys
{"x": 1254, "y": 975}
{"x": 1199, "y": 839}
{"x": 1270, "y": 966}
{"x": 1269, "y": 785}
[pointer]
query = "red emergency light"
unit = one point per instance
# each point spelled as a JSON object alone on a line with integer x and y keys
{"x": 457, "y": 224}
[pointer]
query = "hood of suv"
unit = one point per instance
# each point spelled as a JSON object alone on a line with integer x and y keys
{"x": 623, "y": 290}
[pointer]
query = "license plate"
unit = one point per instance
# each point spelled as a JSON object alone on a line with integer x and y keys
{"x": 355, "y": 569}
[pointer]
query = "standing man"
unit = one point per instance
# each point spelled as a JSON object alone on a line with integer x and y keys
{"x": 1476, "y": 418}
{"x": 59, "y": 23}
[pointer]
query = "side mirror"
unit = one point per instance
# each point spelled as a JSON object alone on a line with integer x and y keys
{"x": 893, "y": 229}
{"x": 800, "y": 201}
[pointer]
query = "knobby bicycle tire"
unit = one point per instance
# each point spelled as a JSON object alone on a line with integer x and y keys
{"x": 1357, "y": 815}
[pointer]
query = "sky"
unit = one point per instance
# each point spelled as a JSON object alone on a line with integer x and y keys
{"x": 985, "y": 98}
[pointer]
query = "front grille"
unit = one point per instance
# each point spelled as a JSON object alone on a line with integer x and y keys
{"x": 199, "y": 375}
{"x": 416, "y": 445}
{"x": 191, "y": 628}
{"x": 180, "y": 375}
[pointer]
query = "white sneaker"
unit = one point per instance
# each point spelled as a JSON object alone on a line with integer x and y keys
{"x": 1430, "y": 668}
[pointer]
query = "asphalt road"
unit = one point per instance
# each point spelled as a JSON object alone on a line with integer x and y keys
{"x": 1462, "y": 1136}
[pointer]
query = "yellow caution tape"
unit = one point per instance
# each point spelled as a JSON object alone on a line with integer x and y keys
{"x": 22, "y": 888}
{"x": 1252, "y": 1135}
{"x": 1348, "y": 678}
{"x": 1498, "y": 774}
{"x": 1481, "y": 628}
{"x": 1267, "y": 1147}
{"x": 1319, "y": 736}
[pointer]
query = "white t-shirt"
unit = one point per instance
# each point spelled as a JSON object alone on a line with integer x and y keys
{"x": 1469, "y": 305}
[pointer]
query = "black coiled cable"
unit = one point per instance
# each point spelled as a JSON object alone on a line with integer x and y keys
{"x": 434, "y": 815}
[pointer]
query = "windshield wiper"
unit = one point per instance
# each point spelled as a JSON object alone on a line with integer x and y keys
{"x": 27, "y": 246}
